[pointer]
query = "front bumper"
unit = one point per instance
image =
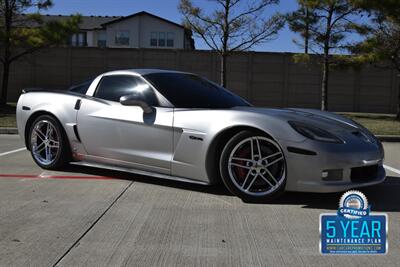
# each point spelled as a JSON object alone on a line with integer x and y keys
{"x": 305, "y": 172}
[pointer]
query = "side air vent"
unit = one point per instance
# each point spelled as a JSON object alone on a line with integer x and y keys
{"x": 76, "y": 133}
{"x": 301, "y": 151}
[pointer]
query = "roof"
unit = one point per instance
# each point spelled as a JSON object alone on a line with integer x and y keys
{"x": 87, "y": 22}
{"x": 142, "y": 13}
{"x": 142, "y": 71}
{"x": 99, "y": 22}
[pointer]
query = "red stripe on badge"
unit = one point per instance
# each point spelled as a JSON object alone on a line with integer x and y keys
{"x": 83, "y": 177}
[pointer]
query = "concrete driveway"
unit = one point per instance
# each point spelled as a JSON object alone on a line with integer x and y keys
{"x": 92, "y": 217}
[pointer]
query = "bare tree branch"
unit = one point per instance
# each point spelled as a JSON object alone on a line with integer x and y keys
{"x": 235, "y": 25}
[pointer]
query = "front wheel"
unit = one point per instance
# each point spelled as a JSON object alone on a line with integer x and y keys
{"x": 48, "y": 143}
{"x": 253, "y": 167}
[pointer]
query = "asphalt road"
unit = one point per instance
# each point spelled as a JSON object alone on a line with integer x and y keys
{"x": 91, "y": 217}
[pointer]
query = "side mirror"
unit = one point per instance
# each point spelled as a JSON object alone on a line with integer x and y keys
{"x": 136, "y": 99}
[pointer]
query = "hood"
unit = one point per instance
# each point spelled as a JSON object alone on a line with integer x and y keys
{"x": 327, "y": 121}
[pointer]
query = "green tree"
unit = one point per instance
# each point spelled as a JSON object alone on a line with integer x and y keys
{"x": 301, "y": 21}
{"x": 337, "y": 20}
{"x": 235, "y": 25}
{"x": 382, "y": 43}
{"x": 22, "y": 34}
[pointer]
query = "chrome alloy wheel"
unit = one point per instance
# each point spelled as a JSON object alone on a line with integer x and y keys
{"x": 257, "y": 166}
{"x": 45, "y": 142}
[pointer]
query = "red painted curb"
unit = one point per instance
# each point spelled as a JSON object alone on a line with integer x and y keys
{"x": 31, "y": 176}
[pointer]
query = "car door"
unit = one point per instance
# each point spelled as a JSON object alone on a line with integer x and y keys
{"x": 124, "y": 135}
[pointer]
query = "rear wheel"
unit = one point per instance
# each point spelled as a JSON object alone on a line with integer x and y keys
{"x": 253, "y": 167}
{"x": 48, "y": 143}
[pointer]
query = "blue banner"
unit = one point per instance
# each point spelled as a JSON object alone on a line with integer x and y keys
{"x": 365, "y": 235}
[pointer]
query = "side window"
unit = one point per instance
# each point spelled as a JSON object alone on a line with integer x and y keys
{"x": 122, "y": 38}
{"x": 82, "y": 87}
{"x": 153, "y": 39}
{"x": 161, "y": 39}
{"x": 170, "y": 39}
{"x": 101, "y": 39}
{"x": 114, "y": 86}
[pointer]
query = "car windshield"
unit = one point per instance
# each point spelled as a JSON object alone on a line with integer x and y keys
{"x": 82, "y": 87}
{"x": 191, "y": 91}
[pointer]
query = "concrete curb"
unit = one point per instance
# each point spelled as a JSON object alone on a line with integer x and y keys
{"x": 383, "y": 138}
{"x": 8, "y": 130}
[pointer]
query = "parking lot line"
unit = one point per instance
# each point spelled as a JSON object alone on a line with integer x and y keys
{"x": 391, "y": 169}
{"x": 11, "y": 175}
{"x": 12, "y": 151}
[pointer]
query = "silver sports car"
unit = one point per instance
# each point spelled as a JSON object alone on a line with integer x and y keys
{"x": 180, "y": 126}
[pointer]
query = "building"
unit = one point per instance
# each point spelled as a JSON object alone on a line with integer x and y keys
{"x": 139, "y": 30}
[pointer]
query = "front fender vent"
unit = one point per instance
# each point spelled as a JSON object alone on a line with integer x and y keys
{"x": 76, "y": 133}
{"x": 301, "y": 151}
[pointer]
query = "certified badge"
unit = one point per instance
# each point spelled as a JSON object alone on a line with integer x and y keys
{"x": 353, "y": 229}
{"x": 353, "y": 205}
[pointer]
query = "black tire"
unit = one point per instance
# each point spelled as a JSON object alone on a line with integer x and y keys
{"x": 63, "y": 154}
{"x": 233, "y": 187}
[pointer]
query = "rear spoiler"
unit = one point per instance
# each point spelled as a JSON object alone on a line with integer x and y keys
{"x": 28, "y": 90}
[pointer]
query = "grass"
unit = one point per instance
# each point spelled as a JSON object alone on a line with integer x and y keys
{"x": 7, "y": 115}
{"x": 7, "y": 121}
{"x": 379, "y": 124}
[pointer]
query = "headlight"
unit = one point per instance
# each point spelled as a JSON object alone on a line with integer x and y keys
{"x": 364, "y": 131}
{"x": 314, "y": 133}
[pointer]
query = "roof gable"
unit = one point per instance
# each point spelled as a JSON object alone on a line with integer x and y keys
{"x": 142, "y": 13}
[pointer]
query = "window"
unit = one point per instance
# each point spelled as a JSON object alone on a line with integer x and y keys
{"x": 161, "y": 39}
{"x": 153, "y": 39}
{"x": 82, "y": 39}
{"x": 114, "y": 86}
{"x": 79, "y": 39}
{"x": 122, "y": 38}
{"x": 82, "y": 87}
{"x": 101, "y": 39}
{"x": 170, "y": 39}
{"x": 191, "y": 91}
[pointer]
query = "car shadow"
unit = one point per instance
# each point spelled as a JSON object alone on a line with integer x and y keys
{"x": 217, "y": 189}
{"x": 382, "y": 198}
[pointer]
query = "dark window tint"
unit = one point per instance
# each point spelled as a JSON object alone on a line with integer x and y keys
{"x": 191, "y": 91}
{"x": 114, "y": 86}
{"x": 82, "y": 87}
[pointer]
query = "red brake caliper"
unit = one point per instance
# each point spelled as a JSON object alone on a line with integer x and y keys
{"x": 241, "y": 172}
